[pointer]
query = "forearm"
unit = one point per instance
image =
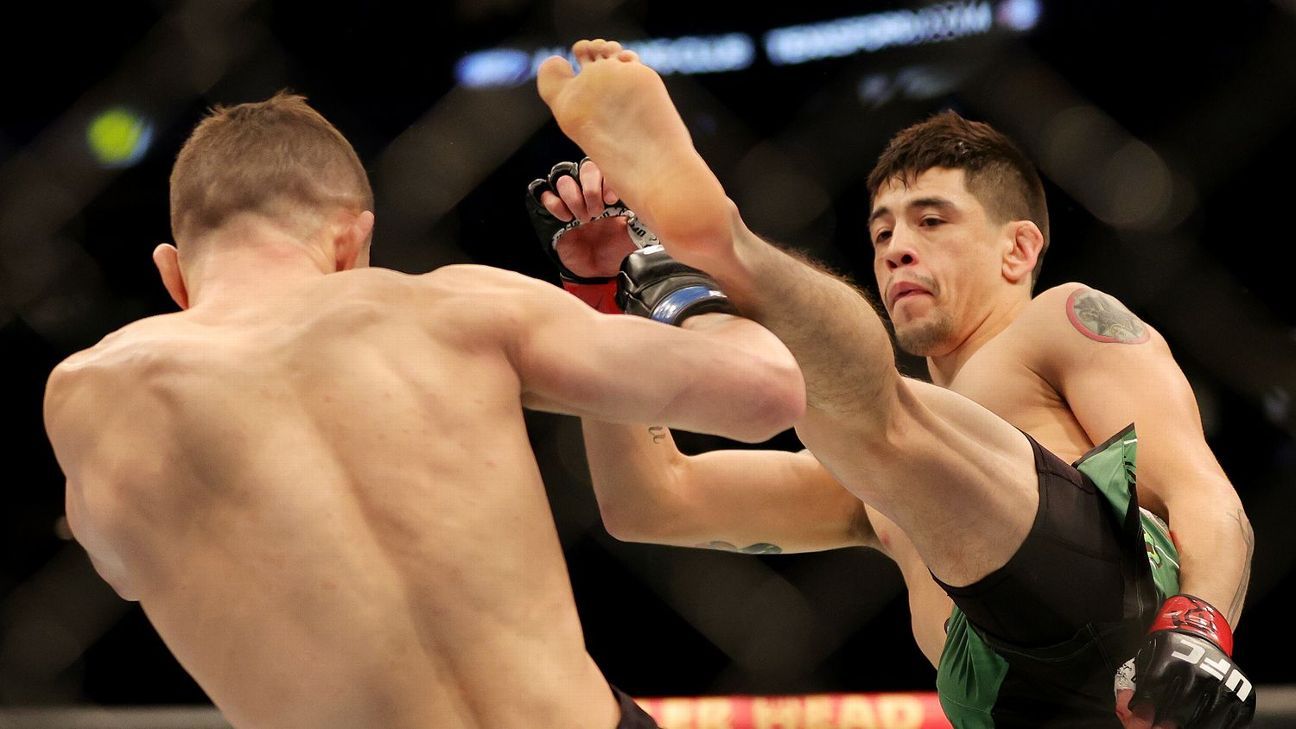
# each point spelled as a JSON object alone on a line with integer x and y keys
{"x": 840, "y": 343}
{"x": 634, "y": 470}
{"x": 1215, "y": 545}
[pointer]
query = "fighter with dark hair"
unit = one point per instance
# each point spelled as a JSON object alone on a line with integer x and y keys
{"x": 1004, "y": 489}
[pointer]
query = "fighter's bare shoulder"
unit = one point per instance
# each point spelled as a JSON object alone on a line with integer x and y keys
{"x": 476, "y": 304}
{"x": 1068, "y": 326}
{"x": 485, "y": 280}
{"x": 1075, "y": 308}
{"x": 134, "y": 345}
{"x": 82, "y": 391}
{"x": 463, "y": 272}
{"x": 499, "y": 294}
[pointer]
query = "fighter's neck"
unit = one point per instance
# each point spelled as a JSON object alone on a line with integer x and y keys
{"x": 945, "y": 367}
{"x": 252, "y": 272}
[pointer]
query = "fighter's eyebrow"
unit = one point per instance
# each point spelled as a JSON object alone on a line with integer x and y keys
{"x": 931, "y": 202}
{"x": 939, "y": 203}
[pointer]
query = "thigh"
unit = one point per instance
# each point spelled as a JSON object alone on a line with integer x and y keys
{"x": 1067, "y": 574}
{"x": 957, "y": 479}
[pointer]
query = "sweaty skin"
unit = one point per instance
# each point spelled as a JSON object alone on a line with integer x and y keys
{"x": 325, "y": 499}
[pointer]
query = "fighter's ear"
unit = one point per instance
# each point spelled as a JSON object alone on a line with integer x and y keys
{"x": 351, "y": 246}
{"x": 167, "y": 259}
{"x": 1023, "y": 244}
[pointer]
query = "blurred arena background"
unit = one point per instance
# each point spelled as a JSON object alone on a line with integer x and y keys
{"x": 1166, "y": 133}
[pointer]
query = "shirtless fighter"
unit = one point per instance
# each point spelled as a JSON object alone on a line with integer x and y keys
{"x": 1054, "y": 573}
{"x": 316, "y": 479}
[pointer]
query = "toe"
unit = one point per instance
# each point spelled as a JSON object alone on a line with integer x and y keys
{"x": 554, "y": 73}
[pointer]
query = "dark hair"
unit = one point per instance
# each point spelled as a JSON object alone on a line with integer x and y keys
{"x": 996, "y": 172}
{"x": 264, "y": 157}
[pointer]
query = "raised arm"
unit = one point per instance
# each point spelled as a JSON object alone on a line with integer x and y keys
{"x": 733, "y": 379}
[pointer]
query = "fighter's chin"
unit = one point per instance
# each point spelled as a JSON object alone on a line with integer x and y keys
{"x": 924, "y": 338}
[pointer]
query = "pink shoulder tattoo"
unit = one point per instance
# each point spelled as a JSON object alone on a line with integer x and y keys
{"x": 1104, "y": 319}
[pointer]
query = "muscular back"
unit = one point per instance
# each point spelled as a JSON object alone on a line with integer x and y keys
{"x": 327, "y": 505}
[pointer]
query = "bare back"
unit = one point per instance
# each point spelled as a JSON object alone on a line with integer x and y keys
{"x": 329, "y": 509}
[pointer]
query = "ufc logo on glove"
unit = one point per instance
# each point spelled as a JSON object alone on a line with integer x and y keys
{"x": 1196, "y": 655}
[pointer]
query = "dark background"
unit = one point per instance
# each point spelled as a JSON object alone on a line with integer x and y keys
{"x": 1164, "y": 132}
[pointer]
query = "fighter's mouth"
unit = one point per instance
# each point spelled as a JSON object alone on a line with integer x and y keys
{"x": 904, "y": 290}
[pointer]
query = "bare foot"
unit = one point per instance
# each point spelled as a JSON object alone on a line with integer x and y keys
{"x": 618, "y": 111}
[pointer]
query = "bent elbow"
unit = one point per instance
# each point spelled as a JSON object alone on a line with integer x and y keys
{"x": 624, "y": 530}
{"x": 640, "y": 524}
{"x": 776, "y": 402}
{"x": 631, "y": 510}
{"x": 768, "y": 419}
{"x": 644, "y": 511}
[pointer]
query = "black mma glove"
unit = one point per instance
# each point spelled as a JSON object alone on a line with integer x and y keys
{"x": 655, "y": 286}
{"x": 599, "y": 291}
{"x": 1184, "y": 673}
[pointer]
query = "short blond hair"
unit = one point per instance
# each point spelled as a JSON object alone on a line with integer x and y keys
{"x": 266, "y": 157}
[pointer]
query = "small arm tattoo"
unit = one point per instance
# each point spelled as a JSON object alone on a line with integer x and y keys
{"x": 1104, "y": 319}
{"x": 658, "y": 433}
{"x": 757, "y": 548}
